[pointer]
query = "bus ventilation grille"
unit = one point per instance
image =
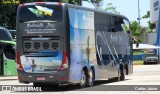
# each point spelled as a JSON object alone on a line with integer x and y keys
{"x": 27, "y": 45}
{"x": 36, "y": 45}
{"x": 45, "y": 45}
{"x": 55, "y": 45}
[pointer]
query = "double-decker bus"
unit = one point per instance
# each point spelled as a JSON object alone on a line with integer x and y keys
{"x": 61, "y": 43}
{"x": 8, "y": 66}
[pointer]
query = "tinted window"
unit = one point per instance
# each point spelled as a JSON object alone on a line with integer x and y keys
{"x": 13, "y": 33}
{"x": 9, "y": 52}
{"x": 150, "y": 55}
{"x": 5, "y": 35}
{"x": 40, "y": 12}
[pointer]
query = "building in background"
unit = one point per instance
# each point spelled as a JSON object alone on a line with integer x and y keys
{"x": 154, "y": 12}
{"x": 154, "y": 18}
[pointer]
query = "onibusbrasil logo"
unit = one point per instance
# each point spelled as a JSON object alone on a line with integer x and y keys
{"x": 41, "y": 11}
{"x": 20, "y": 88}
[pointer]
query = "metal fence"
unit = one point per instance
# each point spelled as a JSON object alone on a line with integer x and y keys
{"x": 138, "y": 57}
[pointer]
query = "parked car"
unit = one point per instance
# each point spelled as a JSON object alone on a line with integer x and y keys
{"x": 151, "y": 58}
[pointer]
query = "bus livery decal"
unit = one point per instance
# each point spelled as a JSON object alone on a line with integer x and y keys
{"x": 41, "y": 11}
{"x": 37, "y": 63}
{"x": 82, "y": 41}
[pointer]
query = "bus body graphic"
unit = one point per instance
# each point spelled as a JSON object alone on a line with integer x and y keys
{"x": 72, "y": 44}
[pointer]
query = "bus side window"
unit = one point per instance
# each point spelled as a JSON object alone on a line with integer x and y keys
{"x": 118, "y": 24}
{"x": 113, "y": 23}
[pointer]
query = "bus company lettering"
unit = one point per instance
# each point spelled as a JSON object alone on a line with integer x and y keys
{"x": 39, "y": 31}
{"x": 116, "y": 37}
{"x": 50, "y": 25}
{"x": 29, "y": 25}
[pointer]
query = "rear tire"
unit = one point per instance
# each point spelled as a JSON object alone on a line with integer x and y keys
{"x": 83, "y": 80}
{"x": 123, "y": 74}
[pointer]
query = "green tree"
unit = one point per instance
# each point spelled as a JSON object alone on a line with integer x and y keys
{"x": 111, "y": 8}
{"x": 97, "y": 3}
{"x": 137, "y": 31}
{"x": 8, "y": 14}
{"x": 151, "y": 26}
{"x": 76, "y": 2}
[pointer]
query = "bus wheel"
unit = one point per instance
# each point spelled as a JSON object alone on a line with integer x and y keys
{"x": 83, "y": 80}
{"x": 123, "y": 73}
{"x": 91, "y": 77}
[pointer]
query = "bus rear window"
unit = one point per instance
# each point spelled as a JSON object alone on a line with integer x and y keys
{"x": 40, "y": 12}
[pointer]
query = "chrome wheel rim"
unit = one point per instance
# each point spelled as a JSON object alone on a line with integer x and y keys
{"x": 91, "y": 77}
{"x": 83, "y": 78}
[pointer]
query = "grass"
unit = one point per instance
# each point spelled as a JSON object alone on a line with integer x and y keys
{"x": 138, "y": 62}
{"x": 139, "y": 52}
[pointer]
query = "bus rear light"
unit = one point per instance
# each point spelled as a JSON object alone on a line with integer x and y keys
{"x": 22, "y": 5}
{"x": 63, "y": 78}
{"x": 64, "y": 62}
{"x": 19, "y": 66}
{"x": 40, "y": 3}
{"x": 20, "y": 78}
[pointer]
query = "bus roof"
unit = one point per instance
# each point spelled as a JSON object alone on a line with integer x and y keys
{"x": 96, "y": 10}
{"x": 75, "y": 6}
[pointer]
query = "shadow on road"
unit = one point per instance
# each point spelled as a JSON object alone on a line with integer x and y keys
{"x": 63, "y": 88}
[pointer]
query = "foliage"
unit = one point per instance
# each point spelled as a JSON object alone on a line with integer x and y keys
{"x": 137, "y": 31}
{"x": 8, "y": 14}
{"x": 151, "y": 26}
{"x": 76, "y": 2}
{"x": 97, "y": 3}
{"x": 111, "y": 8}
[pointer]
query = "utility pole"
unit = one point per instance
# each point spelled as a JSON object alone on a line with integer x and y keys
{"x": 139, "y": 17}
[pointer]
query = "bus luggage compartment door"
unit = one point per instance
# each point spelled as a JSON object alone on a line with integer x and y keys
{"x": 9, "y": 67}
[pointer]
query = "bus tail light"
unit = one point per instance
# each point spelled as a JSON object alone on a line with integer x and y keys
{"x": 20, "y": 78}
{"x": 64, "y": 62}
{"x": 19, "y": 66}
{"x": 21, "y": 5}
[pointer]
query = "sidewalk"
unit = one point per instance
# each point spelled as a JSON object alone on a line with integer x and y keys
{"x": 8, "y": 77}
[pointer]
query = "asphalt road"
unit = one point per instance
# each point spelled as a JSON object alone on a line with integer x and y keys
{"x": 144, "y": 77}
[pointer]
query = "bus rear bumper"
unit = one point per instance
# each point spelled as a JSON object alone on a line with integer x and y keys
{"x": 58, "y": 77}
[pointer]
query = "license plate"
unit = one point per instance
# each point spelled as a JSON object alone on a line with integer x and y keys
{"x": 41, "y": 78}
